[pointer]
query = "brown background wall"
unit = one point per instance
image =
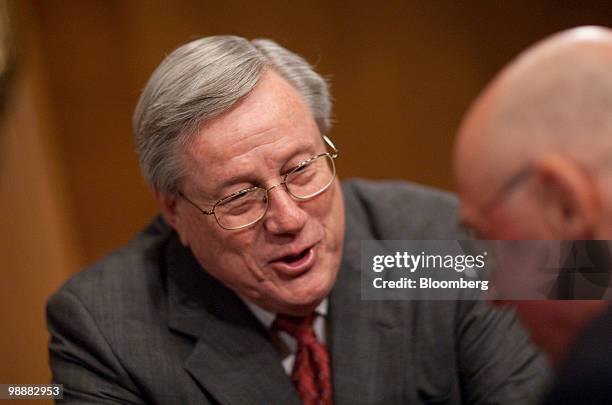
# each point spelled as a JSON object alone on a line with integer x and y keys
{"x": 402, "y": 73}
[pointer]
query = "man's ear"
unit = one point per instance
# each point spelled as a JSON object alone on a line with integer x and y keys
{"x": 567, "y": 197}
{"x": 168, "y": 206}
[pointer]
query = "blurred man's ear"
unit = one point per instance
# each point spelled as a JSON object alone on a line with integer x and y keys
{"x": 168, "y": 206}
{"x": 567, "y": 197}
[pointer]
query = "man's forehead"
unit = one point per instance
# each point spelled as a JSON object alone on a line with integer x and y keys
{"x": 246, "y": 152}
{"x": 470, "y": 166}
{"x": 480, "y": 164}
{"x": 280, "y": 137}
{"x": 269, "y": 124}
{"x": 478, "y": 182}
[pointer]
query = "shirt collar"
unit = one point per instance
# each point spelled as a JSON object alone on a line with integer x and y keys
{"x": 267, "y": 317}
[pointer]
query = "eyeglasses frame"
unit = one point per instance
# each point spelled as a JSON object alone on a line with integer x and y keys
{"x": 333, "y": 155}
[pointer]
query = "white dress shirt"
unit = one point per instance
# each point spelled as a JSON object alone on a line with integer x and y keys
{"x": 284, "y": 342}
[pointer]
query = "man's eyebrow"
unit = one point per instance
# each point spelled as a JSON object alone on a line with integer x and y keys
{"x": 233, "y": 180}
{"x": 247, "y": 178}
{"x": 210, "y": 197}
{"x": 289, "y": 167}
{"x": 303, "y": 155}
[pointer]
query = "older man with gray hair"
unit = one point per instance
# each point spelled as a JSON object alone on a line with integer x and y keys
{"x": 247, "y": 289}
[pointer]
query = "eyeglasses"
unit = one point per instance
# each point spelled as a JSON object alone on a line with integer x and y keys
{"x": 593, "y": 168}
{"x": 305, "y": 181}
{"x": 508, "y": 188}
{"x": 505, "y": 191}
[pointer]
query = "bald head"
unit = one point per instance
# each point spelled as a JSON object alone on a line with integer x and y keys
{"x": 550, "y": 109}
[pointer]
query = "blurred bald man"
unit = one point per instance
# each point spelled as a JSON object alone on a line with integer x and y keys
{"x": 540, "y": 139}
{"x": 533, "y": 160}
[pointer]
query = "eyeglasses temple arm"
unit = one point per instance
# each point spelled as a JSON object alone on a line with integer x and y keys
{"x": 335, "y": 152}
{"x": 205, "y": 212}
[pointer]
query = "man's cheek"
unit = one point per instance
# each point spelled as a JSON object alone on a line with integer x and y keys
{"x": 325, "y": 205}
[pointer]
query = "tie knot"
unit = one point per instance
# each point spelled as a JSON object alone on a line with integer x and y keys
{"x": 300, "y": 327}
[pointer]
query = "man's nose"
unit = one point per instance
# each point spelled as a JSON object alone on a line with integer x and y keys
{"x": 284, "y": 215}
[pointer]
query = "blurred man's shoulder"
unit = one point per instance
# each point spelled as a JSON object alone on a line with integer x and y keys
{"x": 390, "y": 189}
{"x": 404, "y": 210}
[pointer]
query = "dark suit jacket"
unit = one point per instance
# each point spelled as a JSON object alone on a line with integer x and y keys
{"x": 586, "y": 377}
{"x": 147, "y": 324}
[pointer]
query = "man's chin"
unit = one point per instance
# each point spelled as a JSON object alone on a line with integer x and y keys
{"x": 303, "y": 303}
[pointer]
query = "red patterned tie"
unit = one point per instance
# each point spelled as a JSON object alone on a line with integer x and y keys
{"x": 311, "y": 373}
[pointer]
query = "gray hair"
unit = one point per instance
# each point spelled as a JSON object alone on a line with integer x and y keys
{"x": 201, "y": 80}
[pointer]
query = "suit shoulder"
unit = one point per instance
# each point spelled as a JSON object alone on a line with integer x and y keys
{"x": 588, "y": 366}
{"x": 402, "y": 210}
{"x": 383, "y": 191}
{"x": 132, "y": 269}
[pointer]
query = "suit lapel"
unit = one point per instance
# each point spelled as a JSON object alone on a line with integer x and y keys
{"x": 371, "y": 357}
{"x": 233, "y": 359}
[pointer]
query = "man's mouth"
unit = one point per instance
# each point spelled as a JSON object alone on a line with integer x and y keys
{"x": 294, "y": 258}
{"x": 295, "y": 264}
